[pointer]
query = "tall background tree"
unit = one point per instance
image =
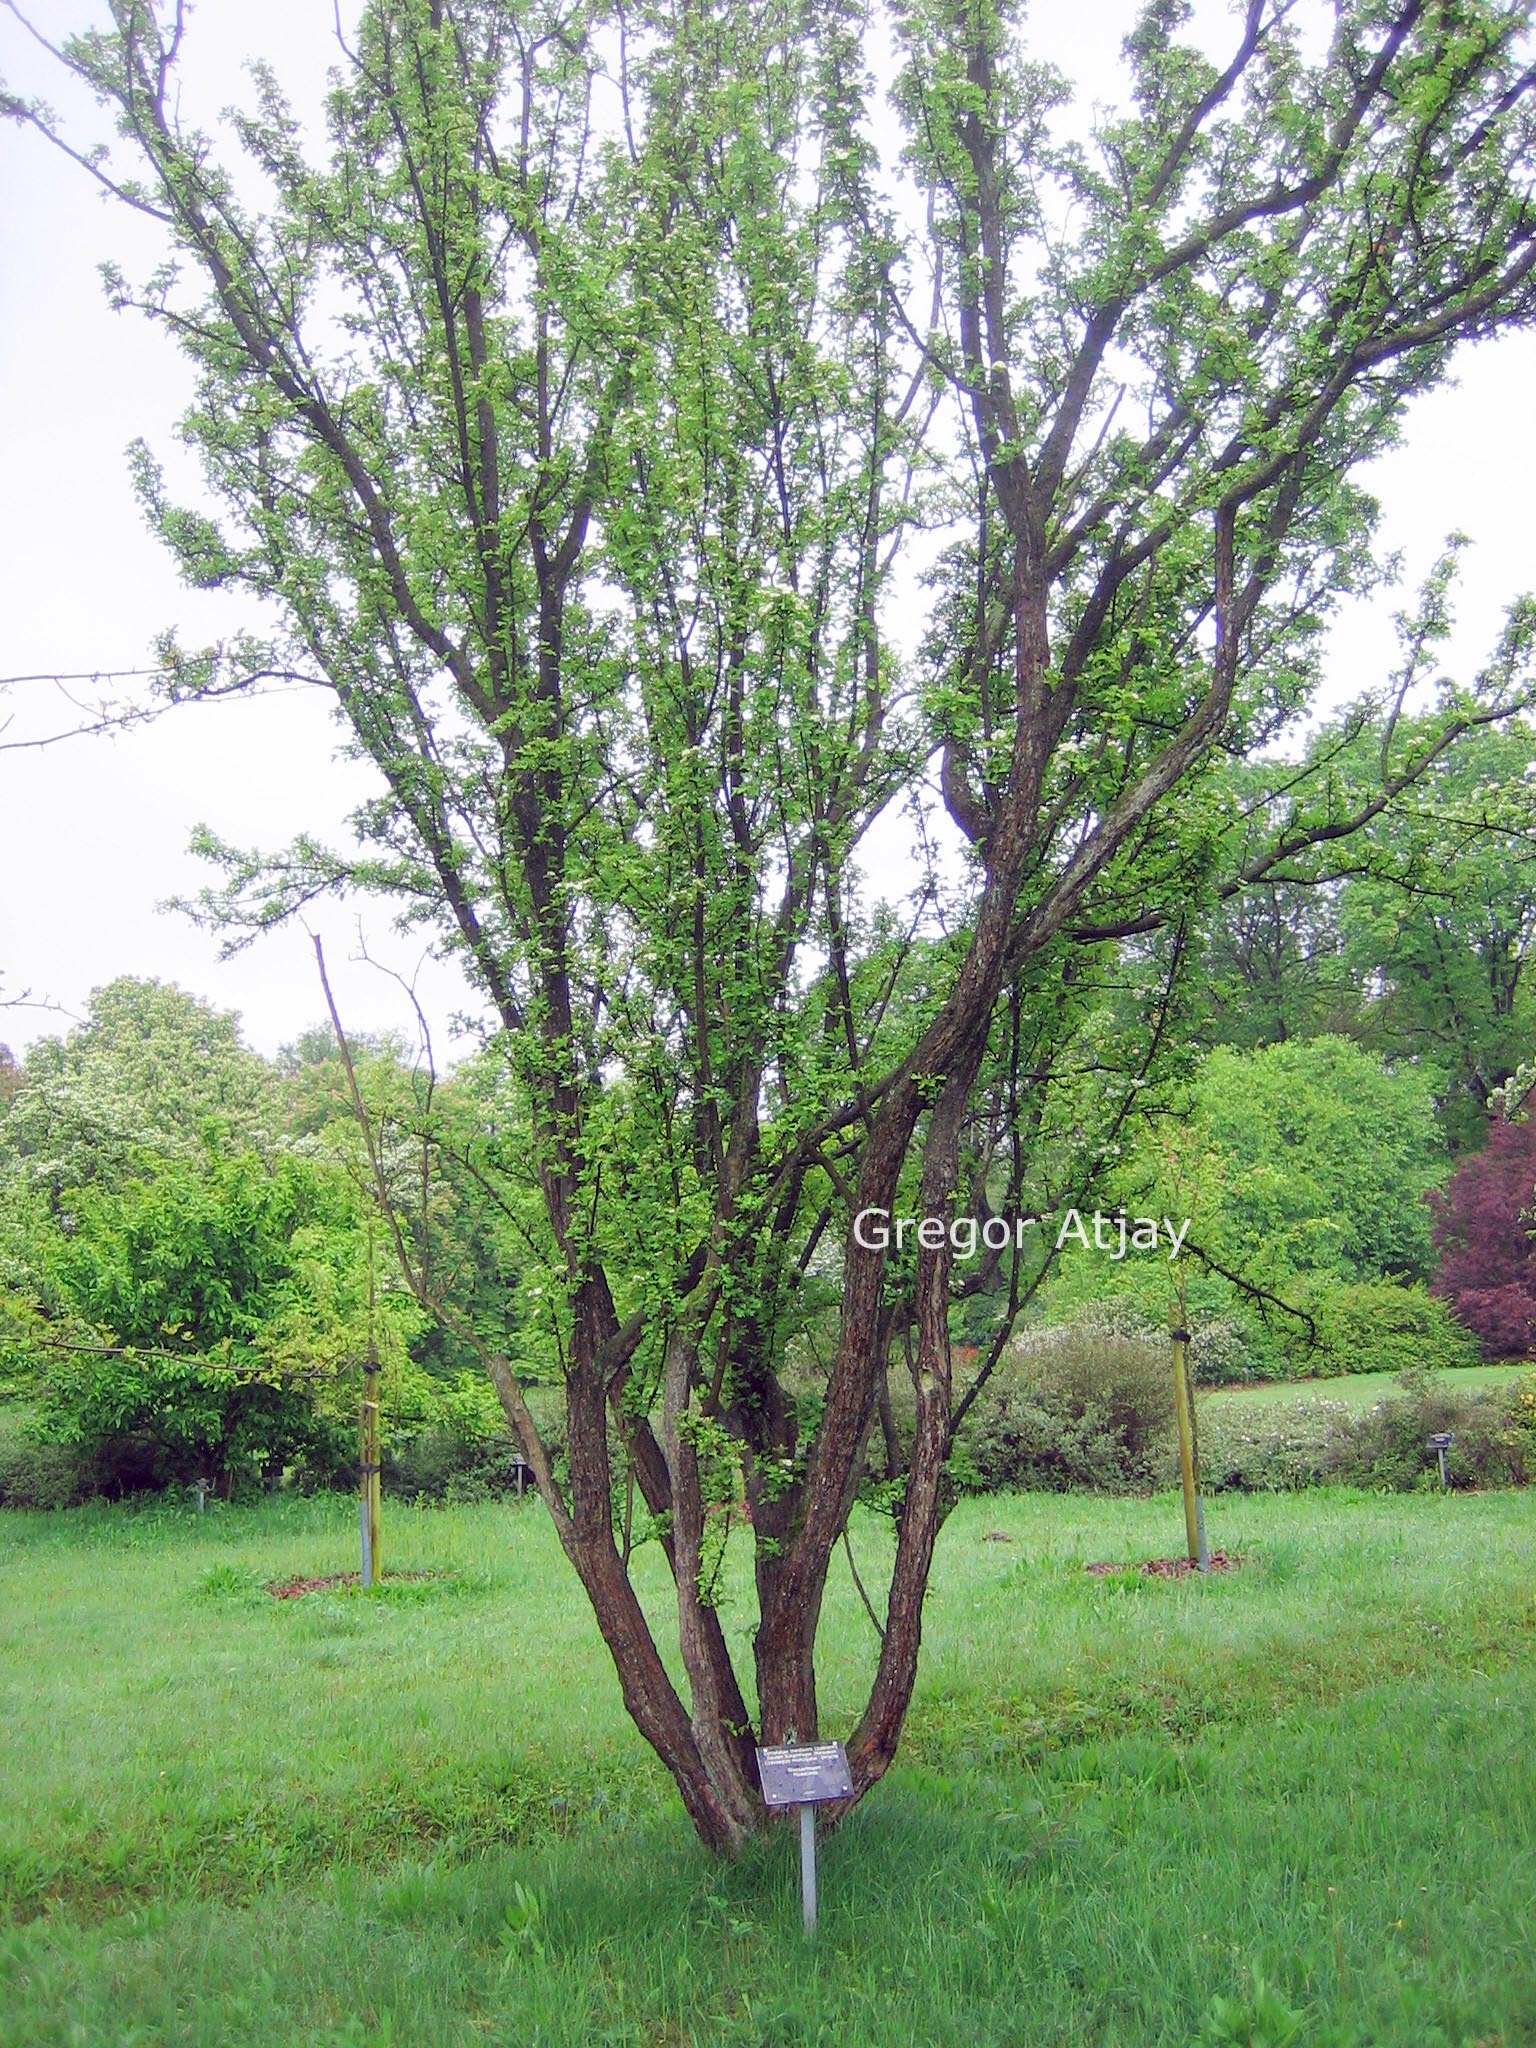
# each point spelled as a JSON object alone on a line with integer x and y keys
{"x": 1416, "y": 944}
{"x": 150, "y": 1076}
{"x": 569, "y": 409}
{"x": 1483, "y": 1232}
{"x": 187, "y": 1278}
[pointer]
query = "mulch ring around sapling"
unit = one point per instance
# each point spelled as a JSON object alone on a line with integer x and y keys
{"x": 292, "y": 1589}
{"x": 1164, "y": 1567}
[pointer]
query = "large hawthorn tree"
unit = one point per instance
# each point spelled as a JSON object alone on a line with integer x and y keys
{"x": 676, "y": 455}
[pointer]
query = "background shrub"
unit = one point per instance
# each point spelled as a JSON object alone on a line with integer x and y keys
{"x": 1388, "y": 1443}
{"x": 464, "y": 1452}
{"x": 35, "y": 1474}
{"x": 1076, "y": 1407}
{"x": 1327, "y": 1442}
{"x": 1382, "y": 1326}
{"x": 444, "y": 1465}
{"x": 1262, "y": 1450}
{"x": 1220, "y": 1350}
{"x": 39, "y": 1469}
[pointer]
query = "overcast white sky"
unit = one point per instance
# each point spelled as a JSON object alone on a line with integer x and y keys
{"x": 93, "y": 833}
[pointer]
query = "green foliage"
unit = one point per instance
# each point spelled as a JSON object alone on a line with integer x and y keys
{"x": 1261, "y": 2019}
{"x": 1076, "y": 1408}
{"x": 1322, "y": 1160}
{"x": 1379, "y": 1326}
{"x": 522, "y": 1922}
{"x": 198, "y": 1321}
{"x": 1329, "y": 1442}
{"x": 1438, "y": 932}
{"x": 438, "y": 1464}
{"x": 1420, "y": 952}
{"x": 1303, "y": 1169}
{"x": 1389, "y": 1449}
{"x": 1522, "y": 1424}
{"x": 460, "y": 1189}
{"x": 459, "y": 1449}
{"x": 191, "y": 1305}
{"x": 1082, "y": 1410}
{"x": 35, "y": 1473}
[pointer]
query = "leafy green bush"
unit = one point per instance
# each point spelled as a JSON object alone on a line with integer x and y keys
{"x": 143, "y": 1422}
{"x": 197, "y": 1322}
{"x": 1264, "y": 1450}
{"x": 1522, "y": 1417}
{"x": 1360, "y": 1325}
{"x": 1220, "y": 1350}
{"x": 462, "y": 1450}
{"x": 36, "y": 1474}
{"x": 1389, "y": 1443}
{"x": 442, "y": 1464}
{"x": 1382, "y": 1326}
{"x": 1320, "y": 1158}
{"x": 1325, "y": 1442}
{"x": 1075, "y": 1407}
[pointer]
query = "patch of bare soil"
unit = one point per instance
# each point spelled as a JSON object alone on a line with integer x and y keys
{"x": 291, "y": 1589}
{"x": 1164, "y": 1567}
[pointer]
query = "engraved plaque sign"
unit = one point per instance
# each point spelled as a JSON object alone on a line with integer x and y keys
{"x": 804, "y": 1775}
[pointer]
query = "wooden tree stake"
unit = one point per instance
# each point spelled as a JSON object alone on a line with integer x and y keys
{"x": 1194, "y": 1521}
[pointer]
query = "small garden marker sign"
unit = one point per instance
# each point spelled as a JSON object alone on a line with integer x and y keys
{"x": 805, "y": 1777}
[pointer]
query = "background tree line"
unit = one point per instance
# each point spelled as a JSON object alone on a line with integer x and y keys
{"x": 194, "y": 1265}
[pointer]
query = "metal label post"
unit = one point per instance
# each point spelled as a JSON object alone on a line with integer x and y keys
{"x": 805, "y": 1777}
{"x": 1440, "y": 1443}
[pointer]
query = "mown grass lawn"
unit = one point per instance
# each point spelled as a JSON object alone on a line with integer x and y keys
{"x": 421, "y": 1817}
{"x": 1359, "y": 1389}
